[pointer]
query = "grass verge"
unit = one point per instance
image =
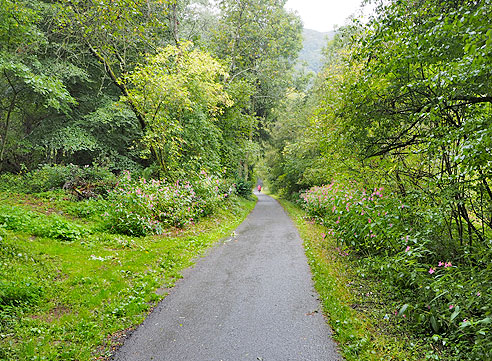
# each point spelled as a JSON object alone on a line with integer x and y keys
{"x": 68, "y": 291}
{"x": 354, "y": 304}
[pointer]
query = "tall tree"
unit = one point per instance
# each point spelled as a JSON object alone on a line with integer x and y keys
{"x": 259, "y": 40}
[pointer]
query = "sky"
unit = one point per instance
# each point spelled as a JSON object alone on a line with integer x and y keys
{"x": 323, "y": 15}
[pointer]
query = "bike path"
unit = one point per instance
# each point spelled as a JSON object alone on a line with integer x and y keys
{"x": 250, "y": 298}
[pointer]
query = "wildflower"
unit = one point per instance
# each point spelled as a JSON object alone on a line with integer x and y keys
{"x": 451, "y": 307}
{"x": 323, "y": 235}
{"x": 440, "y": 264}
{"x": 407, "y": 249}
{"x": 447, "y": 264}
{"x": 369, "y": 220}
{"x": 431, "y": 270}
{"x": 478, "y": 294}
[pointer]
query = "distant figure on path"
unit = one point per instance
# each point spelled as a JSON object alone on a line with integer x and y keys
{"x": 259, "y": 188}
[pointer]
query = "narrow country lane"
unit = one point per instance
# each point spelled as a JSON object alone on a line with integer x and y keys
{"x": 251, "y": 298}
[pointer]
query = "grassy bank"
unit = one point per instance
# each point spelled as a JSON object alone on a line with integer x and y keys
{"x": 69, "y": 290}
{"x": 354, "y": 303}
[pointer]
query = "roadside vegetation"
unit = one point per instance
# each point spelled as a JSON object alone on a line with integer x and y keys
{"x": 390, "y": 154}
{"x": 72, "y": 284}
{"x": 355, "y": 304}
{"x": 129, "y": 131}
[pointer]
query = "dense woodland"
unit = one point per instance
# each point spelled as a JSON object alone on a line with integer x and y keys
{"x": 153, "y": 114}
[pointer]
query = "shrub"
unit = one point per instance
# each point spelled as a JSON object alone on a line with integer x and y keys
{"x": 367, "y": 221}
{"x": 142, "y": 207}
{"x": 439, "y": 295}
{"x": 47, "y": 177}
{"x": 84, "y": 182}
{"x": 243, "y": 187}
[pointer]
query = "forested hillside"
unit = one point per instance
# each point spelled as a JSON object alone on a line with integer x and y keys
{"x": 311, "y": 54}
{"x": 133, "y": 131}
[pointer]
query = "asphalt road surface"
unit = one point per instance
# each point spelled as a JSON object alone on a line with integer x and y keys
{"x": 250, "y": 298}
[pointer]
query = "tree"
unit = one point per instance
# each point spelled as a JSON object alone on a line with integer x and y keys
{"x": 259, "y": 40}
{"x": 180, "y": 94}
{"x": 28, "y": 88}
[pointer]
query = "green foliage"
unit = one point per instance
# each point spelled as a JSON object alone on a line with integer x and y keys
{"x": 63, "y": 301}
{"x": 142, "y": 207}
{"x": 88, "y": 181}
{"x": 430, "y": 286}
{"x": 53, "y": 226}
{"x": 181, "y": 94}
{"x": 244, "y": 187}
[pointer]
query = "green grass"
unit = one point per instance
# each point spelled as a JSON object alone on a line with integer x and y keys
{"x": 71, "y": 298}
{"x": 354, "y": 303}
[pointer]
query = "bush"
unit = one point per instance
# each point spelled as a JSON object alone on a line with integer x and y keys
{"x": 142, "y": 207}
{"x": 84, "y": 182}
{"x": 10, "y": 182}
{"x": 243, "y": 187}
{"x": 439, "y": 295}
{"x": 369, "y": 222}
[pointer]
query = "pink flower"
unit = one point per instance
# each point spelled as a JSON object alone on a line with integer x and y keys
{"x": 447, "y": 264}
{"x": 451, "y": 307}
{"x": 465, "y": 320}
{"x": 478, "y": 294}
{"x": 440, "y": 264}
{"x": 323, "y": 235}
{"x": 407, "y": 249}
{"x": 369, "y": 220}
{"x": 431, "y": 270}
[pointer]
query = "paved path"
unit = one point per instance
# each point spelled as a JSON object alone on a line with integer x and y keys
{"x": 251, "y": 298}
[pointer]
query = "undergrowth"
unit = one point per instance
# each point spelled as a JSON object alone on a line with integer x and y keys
{"x": 69, "y": 288}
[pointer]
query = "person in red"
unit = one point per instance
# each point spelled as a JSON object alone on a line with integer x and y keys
{"x": 259, "y": 188}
